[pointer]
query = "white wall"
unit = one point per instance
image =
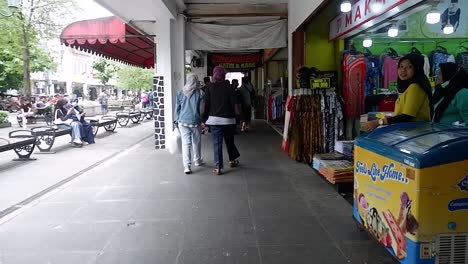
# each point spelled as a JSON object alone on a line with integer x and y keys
{"x": 298, "y": 12}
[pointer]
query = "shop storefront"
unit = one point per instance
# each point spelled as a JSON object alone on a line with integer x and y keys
{"x": 350, "y": 78}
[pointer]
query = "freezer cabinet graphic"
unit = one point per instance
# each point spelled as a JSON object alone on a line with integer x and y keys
{"x": 411, "y": 191}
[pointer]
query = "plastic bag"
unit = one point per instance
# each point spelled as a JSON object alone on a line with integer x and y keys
{"x": 175, "y": 142}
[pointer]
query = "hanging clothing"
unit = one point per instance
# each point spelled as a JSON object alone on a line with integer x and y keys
{"x": 354, "y": 75}
{"x": 437, "y": 57}
{"x": 372, "y": 75}
{"x": 390, "y": 70}
{"x": 462, "y": 60}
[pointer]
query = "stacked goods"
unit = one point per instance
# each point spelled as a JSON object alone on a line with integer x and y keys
{"x": 334, "y": 168}
{"x": 346, "y": 148}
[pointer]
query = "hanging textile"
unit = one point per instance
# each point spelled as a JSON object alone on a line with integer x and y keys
{"x": 389, "y": 69}
{"x": 315, "y": 125}
{"x": 462, "y": 60}
{"x": 439, "y": 56}
{"x": 372, "y": 74}
{"x": 354, "y": 75}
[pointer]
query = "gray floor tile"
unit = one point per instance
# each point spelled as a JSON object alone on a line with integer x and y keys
{"x": 50, "y": 257}
{"x": 138, "y": 257}
{"x": 280, "y": 207}
{"x": 123, "y": 193}
{"x": 290, "y": 231}
{"x": 219, "y": 233}
{"x": 164, "y": 234}
{"x": 321, "y": 253}
{"x": 219, "y": 208}
{"x": 161, "y": 209}
{"x": 106, "y": 211}
{"x": 248, "y": 255}
{"x": 271, "y": 190}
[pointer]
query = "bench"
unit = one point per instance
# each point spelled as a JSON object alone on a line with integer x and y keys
{"x": 20, "y": 141}
{"x": 147, "y": 112}
{"x": 108, "y": 122}
{"x": 47, "y": 117}
{"x": 124, "y": 117}
{"x": 45, "y": 137}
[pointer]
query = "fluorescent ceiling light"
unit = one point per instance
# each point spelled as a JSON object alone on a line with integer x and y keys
{"x": 393, "y": 31}
{"x": 448, "y": 29}
{"x": 433, "y": 17}
{"x": 367, "y": 42}
{"x": 345, "y": 6}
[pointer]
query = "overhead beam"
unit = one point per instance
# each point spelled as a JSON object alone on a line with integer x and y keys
{"x": 282, "y": 15}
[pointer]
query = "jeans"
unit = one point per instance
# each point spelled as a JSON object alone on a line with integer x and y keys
{"x": 76, "y": 131}
{"x": 191, "y": 139}
{"x": 218, "y": 133}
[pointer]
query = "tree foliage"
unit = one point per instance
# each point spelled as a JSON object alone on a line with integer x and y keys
{"x": 135, "y": 79}
{"x": 24, "y": 35}
{"x": 105, "y": 70}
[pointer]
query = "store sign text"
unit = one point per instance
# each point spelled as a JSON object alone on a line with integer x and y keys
{"x": 361, "y": 12}
{"x": 386, "y": 173}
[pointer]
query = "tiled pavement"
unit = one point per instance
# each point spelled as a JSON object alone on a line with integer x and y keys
{"x": 139, "y": 207}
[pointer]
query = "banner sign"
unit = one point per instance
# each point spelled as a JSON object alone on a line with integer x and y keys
{"x": 321, "y": 83}
{"x": 234, "y": 63}
{"x": 361, "y": 12}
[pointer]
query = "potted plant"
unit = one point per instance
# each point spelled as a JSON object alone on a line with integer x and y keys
{"x": 4, "y": 119}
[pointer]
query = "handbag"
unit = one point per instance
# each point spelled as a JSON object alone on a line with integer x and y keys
{"x": 59, "y": 121}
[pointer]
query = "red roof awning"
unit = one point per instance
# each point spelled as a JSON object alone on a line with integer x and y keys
{"x": 112, "y": 38}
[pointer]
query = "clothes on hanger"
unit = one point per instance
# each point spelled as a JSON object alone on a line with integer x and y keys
{"x": 354, "y": 69}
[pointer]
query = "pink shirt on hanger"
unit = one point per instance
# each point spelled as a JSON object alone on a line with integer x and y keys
{"x": 390, "y": 70}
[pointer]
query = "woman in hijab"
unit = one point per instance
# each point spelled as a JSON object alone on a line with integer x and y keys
{"x": 221, "y": 109}
{"x": 450, "y": 100}
{"x": 62, "y": 115}
{"x": 415, "y": 91}
{"x": 188, "y": 119}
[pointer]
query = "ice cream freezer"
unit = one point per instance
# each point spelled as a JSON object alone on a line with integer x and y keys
{"x": 411, "y": 191}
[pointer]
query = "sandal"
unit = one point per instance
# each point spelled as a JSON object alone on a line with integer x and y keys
{"x": 217, "y": 172}
{"x": 234, "y": 163}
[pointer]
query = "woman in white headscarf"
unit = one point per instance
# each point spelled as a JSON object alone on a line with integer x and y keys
{"x": 188, "y": 118}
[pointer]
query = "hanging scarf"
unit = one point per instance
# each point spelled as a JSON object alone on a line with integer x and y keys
{"x": 191, "y": 85}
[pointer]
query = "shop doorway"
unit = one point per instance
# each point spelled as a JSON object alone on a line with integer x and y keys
{"x": 235, "y": 76}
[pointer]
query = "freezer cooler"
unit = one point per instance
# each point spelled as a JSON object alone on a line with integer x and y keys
{"x": 411, "y": 191}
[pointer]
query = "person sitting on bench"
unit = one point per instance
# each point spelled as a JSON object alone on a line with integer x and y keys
{"x": 42, "y": 106}
{"x": 26, "y": 111}
{"x": 64, "y": 117}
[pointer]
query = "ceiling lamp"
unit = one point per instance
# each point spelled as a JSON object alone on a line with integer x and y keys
{"x": 433, "y": 17}
{"x": 448, "y": 29}
{"x": 367, "y": 42}
{"x": 345, "y": 6}
{"x": 393, "y": 31}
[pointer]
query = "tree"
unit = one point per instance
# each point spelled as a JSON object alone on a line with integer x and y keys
{"x": 135, "y": 79}
{"x": 34, "y": 22}
{"x": 11, "y": 63}
{"x": 105, "y": 70}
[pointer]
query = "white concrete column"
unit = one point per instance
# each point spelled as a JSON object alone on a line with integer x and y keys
{"x": 169, "y": 73}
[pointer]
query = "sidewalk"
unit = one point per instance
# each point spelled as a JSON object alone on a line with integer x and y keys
{"x": 138, "y": 207}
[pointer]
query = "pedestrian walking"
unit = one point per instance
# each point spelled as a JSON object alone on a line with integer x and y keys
{"x": 103, "y": 100}
{"x": 188, "y": 118}
{"x": 220, "y": 111}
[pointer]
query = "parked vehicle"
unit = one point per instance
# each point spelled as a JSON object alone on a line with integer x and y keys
{"x": 9, "y": 104}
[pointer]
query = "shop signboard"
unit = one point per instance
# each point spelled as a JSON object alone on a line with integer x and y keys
{"x": 234, "y": 63}
{"x": 362, "y": 11}
{"x": 323, "y": 83}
